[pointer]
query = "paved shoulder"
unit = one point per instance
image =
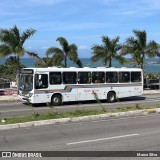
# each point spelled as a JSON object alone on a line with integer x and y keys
{"x": 147, "y": 92}
{"x": 10, "y": 98}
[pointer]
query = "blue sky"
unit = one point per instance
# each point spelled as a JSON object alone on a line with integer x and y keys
{"x": 82, "y": 22}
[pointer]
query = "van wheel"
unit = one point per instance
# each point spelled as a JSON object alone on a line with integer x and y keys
{"x": 56, "y": 100}
{"x": 111, "y": 97}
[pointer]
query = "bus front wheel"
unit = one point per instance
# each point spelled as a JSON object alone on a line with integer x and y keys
{"x": 111, "y": 97}
{"x": 56, "y": 100}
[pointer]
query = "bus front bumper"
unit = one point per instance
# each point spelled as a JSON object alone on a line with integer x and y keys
{"x": 26, "y": 99}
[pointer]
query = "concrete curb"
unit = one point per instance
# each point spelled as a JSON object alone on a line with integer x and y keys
{"x": 80, "y": 119}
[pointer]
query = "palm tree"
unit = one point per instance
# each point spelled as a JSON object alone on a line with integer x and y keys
{"x": 49, "y": 62}
{"x": 107, "y": 51}
{"x": 8, "y": 70}
{"x": 67, "y": 51}
{"x": 12, "y": 43}
{"x": 139, "y": 48}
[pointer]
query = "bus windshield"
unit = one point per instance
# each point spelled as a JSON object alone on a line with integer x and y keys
{"x": 26, "y": 82}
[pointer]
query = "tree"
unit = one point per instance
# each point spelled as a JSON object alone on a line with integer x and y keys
{"x": 12, "y": 43}
{"x": 67, "y": 51}
{"x": 139, "y": 48}
{"x": 8, "y": 70}
{"x": 107, "y": 51}
{"x": 49, "y": 62}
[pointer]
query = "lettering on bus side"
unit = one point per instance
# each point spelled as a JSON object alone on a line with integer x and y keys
{"x": 91, "y": 90}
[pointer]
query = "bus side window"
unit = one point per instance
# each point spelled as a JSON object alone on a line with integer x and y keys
{"x": 69, "y": 77}
{"x": 41, "y": 81}
{"x": 84, "y": 77}
{"x": 124, "y": 77}
{"x": 111, "y": 77}
{"x": 55, "y": 78}
{"x": 136, "y": 77}
{"x": 98, "y": 77}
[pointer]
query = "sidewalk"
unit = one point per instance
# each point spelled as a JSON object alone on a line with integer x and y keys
{"x": 14, "y": 97}
{"x": 147, "y": 92}
{"x": 9, "y": 98}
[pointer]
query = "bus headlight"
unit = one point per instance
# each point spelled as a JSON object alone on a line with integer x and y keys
{"x": 30, "y": 94}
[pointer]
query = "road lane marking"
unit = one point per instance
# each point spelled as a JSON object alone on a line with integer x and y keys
{"x": 102, "y": 139}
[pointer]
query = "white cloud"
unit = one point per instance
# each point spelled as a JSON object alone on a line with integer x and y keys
{"x": 136, "y": 8}
{"x": 29, "y": 47}
{"x": 65, "y": 26}
{"x": 83, "y": 47}
{"x": 151, "y": 4}
{"x": 44, "y": 2}
{"x": 44, "y": 47}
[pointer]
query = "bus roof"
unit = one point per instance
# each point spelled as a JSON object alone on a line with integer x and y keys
{"x": 71, "y": 69}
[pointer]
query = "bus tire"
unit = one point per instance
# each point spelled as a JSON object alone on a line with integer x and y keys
{"x": 111, "y": 97}
{"x": 56, "y": 100}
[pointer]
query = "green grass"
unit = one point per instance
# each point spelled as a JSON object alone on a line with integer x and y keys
{"x": 76, "y": 113}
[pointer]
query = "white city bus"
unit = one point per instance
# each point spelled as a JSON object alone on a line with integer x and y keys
{"x": 57, "y": 85}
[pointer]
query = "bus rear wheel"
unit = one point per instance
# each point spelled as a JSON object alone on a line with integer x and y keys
{"x": 56, "y": 100}
{"x": 111, "y": 97}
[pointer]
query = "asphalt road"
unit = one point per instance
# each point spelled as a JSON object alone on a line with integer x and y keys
{"x": 19, "y": 109}
{"x": 125, "y": 134}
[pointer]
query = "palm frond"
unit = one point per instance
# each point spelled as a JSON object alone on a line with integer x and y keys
{"x": 5, "y": 50}
{"x": 98, "y": 52}
{"x": 57, "y": 60}
{"x": 72, "y": 53}
{"x": 107, "y": 51}
{"x": 152, "y": 49}
{"x": 64, "y": 44}
{"x": 53, "y": 50}
{"x": 141, "y": 37}
{"x": 15, "y": 35}
{"x": 27, "y": 34}
{"x": 121, "y": 59}
{"x": 67, "y": 51}
{"x": 79, "y": 63}
{"x": 35, "y": 56}
{"x": 14, "y": 40}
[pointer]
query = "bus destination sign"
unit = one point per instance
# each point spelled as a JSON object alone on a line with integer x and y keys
{"x": 27, "y": 71}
